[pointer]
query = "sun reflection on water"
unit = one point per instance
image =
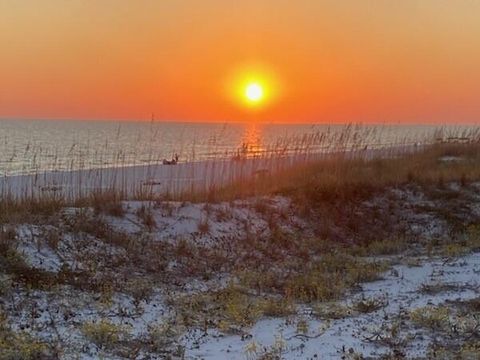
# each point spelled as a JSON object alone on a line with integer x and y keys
{"x": 251, "y": 142}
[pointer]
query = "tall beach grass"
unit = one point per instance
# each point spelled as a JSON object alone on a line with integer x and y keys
{"x": 251, "y": 167}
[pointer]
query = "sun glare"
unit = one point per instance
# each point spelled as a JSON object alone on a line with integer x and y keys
{"x": 254, "y": 92}
{"x": 253, "y": 87}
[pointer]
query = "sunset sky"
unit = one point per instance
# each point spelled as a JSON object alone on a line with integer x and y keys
{"x": 321, "y": 61}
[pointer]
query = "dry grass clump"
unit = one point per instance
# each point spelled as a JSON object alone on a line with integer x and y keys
{"x": 390, "y": 334}
{"x": 333, "y": 310}
{"x": 471, "y": 306}
{"x": 230, "y": 309}
{"x": 255, "y": 351}
{"x": 100, "y": 257}
{"x": 472, "y": 237}
{"x": 469, "y": 350}
{"x": 203, "y": 226}
{"x": 104, "y": 333}
{"x": 13, "y": 264}
{"x": 277, "y": 307}
{"x": 146, "y": 215}
{"x": 368, "y": 305}
{"x": 464, "y": 240}
{"x": 5, "y": 284}
{"x": 227, "y": 309}
{"x": 349, "y": 180}
{"x": 434, "y": 318}
{"x": 162, "y": 339}
{"x": 454, "y": 250}
{"x": 391, "y": 246}
{"x": 223, "y": 214}
{"x": 84, "y": 221}
{"x": 108, "y": 203}
{"x": 459, "y": 326}
{"x": 325, "y": 279}
{"x": 52, "y": 237}
{"x": 31, "y": 209}
{"x": 330, "y": 277}
{"x": 352, "y": 200}
{"x": 351, "y": 177}
{"x": 7, "y": 235}
{"x": 438, "y": 287}
{"x": 139, "y": 289}
{"x": 20, "y": 346}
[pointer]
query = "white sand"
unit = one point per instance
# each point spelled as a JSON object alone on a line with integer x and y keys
{"x": 160, "y": 179}
{"x": 332, "y": 339}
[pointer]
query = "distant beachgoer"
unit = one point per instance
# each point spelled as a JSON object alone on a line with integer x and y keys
{"x": 174, "y": 160}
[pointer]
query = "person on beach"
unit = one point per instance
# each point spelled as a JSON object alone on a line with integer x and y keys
{"x": 174, "y": 160}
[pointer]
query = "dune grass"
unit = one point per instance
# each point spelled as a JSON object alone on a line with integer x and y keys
{"x": 346, "y": 176}
{"x": 269, "y": 275}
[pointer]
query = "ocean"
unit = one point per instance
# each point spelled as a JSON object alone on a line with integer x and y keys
{"x": 35, "y": 146}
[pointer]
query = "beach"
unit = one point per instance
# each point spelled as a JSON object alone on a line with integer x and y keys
{"x": 159, "y": 179}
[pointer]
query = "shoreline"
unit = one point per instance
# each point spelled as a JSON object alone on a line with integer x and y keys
{"x": 159, "y": 179}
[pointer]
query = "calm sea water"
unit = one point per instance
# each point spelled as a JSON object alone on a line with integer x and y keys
{"x": 34, "y": 146}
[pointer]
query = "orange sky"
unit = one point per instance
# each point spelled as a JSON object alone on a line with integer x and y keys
{"x": 336, "y": 61}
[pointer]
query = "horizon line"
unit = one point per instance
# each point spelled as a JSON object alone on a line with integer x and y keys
{"x": 224, "y": 122}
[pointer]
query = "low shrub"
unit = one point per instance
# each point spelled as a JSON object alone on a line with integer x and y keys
{"x": 104, "y": 333}
{"x": 20, "y": 346}
{"x": 434, "y": 318}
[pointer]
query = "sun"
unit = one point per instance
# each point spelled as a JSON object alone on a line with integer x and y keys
{"x": 254, "y": 92}
{"x": 253, "y": 87}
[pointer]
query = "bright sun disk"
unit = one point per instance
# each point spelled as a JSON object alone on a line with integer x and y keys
{"x": 253, "y": 88}
{"x": 254, "y": 92}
